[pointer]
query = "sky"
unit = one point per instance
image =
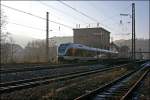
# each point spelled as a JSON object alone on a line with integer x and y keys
{"x": 107, "y": 13}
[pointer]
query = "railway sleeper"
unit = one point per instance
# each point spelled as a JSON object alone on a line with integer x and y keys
{"x": 112, "y": 93}
{"x": 124, "y": 89}
{"x": 106, "y": 97}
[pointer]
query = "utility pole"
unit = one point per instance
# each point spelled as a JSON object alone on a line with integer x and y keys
{"x": 47, "y": 36}
{"x": 133, "y": 56}
{"x": 149, "y": 44}
{"x": 133, "y": 31}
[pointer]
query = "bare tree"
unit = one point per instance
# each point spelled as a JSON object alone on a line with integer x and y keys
{"x": 3, "y": 23}
{"x": 35, "y": 52}
{"x": 3, "y": 38}
{"x": 6, "y": 41}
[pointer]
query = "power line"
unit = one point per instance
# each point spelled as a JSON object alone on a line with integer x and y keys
{"x": 85, "y": 14}
{"x": 26, "y": 26}
{"x": 112, "y": 17}
{"x": 62, "y": 24}
{"x": 91, "y": 18}
{"x": 21, "y": 11}
{"x": 78, "y": 11}
{"x": 58, "y": 10}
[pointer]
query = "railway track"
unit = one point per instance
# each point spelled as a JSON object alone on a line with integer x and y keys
{"x": 29, "y": 83}
{"x": 39, "y": 67}
{"x": 119, "y": 89}
{"x": 15, "y": 75}
{"x": 47, "y": 72}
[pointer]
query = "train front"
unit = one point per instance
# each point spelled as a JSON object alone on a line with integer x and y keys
{"x": 62, "y": 51}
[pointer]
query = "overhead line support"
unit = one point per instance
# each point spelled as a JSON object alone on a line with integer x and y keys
{"x": 47, "y": 36}
{"x": 133, "y": 32}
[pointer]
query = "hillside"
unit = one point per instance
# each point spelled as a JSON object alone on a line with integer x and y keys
{"x": 59, "y": 40}
{"x": 140, "y": 43}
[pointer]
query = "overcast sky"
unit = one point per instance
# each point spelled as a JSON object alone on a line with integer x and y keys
{"x": 107, "y": 13}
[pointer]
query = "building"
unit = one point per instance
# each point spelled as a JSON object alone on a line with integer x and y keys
{"x": 94, "y": 37}
{"x": 114, "y": 47}
{"x": 124, "y": 52}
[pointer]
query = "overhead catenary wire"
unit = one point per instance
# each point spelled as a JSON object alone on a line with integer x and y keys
{"x": 93, "y": 19}
{"x": 54, "y": 21}
{"x": 21, "y": 11}
{"x": 111, "y": 17}
{"x": 58, "y": 10}
{"x": 114, "y": 16}
{"x": 89, "y": 17}
{"x": 27, "y": 26}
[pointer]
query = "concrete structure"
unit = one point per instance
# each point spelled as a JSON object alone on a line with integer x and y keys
{"x": 124, "y": 52}
{"x": 114, "y": 47}
{"x": 94, "y": 37}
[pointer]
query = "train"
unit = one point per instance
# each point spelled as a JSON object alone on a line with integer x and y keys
{"x": 76, "y": 52}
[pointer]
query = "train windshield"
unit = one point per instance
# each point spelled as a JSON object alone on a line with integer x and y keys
{"x": 62, "y": 48}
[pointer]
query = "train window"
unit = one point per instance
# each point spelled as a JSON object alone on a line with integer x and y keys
{"x": 81, "y": 52}
{"x": 90, "y": 53}
{"x": 84, "y": 53}
{"x": 70, "y": 52}
{"x": 78, "y": 52}
{"x": 73, "y": 51}
{"x": 61, "y": 49}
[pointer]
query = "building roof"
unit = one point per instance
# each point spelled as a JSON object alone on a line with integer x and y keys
{"x": 91, "y": 28}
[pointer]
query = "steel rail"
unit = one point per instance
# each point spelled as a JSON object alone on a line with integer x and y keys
{"x": 24, "y": 85}
{"x": 36, "y": 82}
{"x": 89, "y": 95}
{"x": 13, "y": 70}
{"x": 38, "y": 78}
{"x": 40, "y": 67}
{"x": 130, "y": 91}
{"x": 47, "y": 77}
{"x": 93, "y": 92}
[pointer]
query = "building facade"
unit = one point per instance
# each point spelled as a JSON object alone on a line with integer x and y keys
{"x": 94, "y": 37}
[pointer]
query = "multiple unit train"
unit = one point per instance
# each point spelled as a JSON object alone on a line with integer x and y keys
{"x": 71, "y": 51}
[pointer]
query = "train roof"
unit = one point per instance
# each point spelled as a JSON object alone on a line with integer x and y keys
{"x": 81, "y": 46}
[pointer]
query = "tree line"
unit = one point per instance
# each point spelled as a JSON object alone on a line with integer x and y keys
{"x": 10, "y": 52}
